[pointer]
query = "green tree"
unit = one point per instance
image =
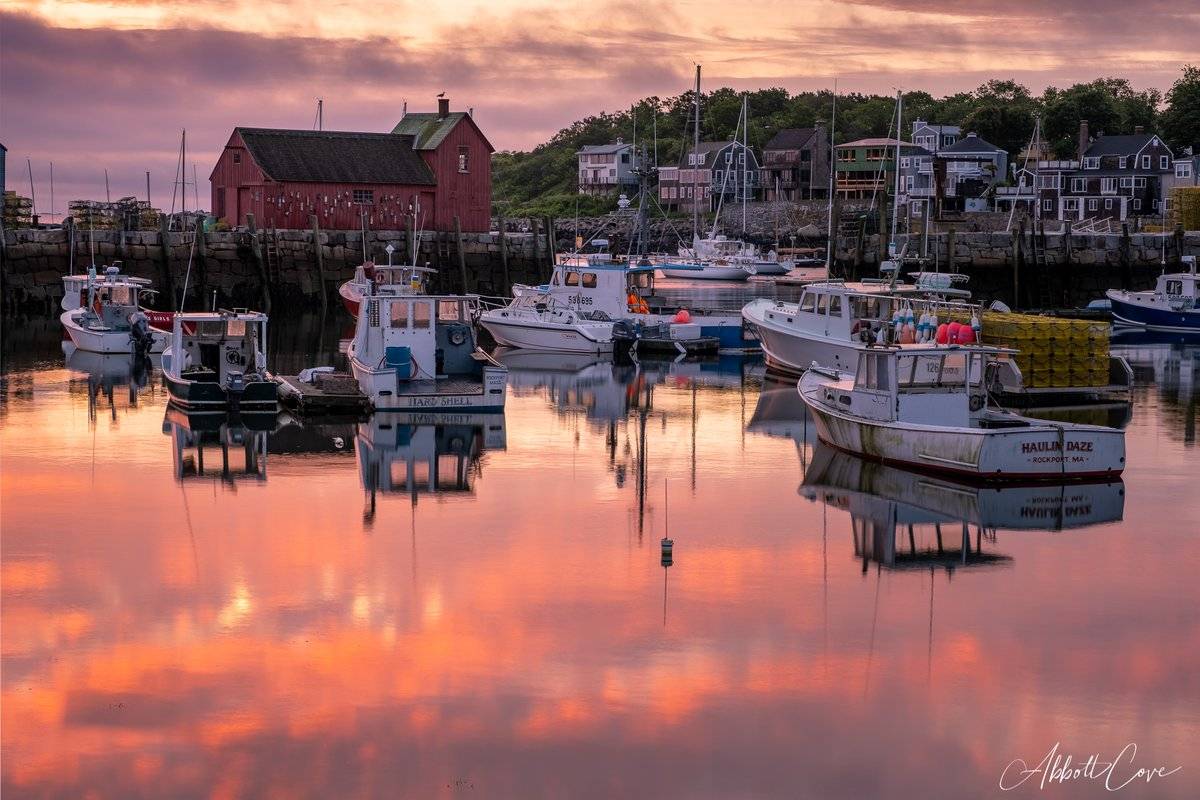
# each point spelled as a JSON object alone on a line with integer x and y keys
{"x": 1180, "y": 124}
{"x": 1002, "y": 113}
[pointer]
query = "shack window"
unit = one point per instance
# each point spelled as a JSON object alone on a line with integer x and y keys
{"x": 589, "y": 280}
{"x": 364, "y": 196}
{"x": 449, "y": 310}
{"x": 237, "y": 156}
{"x": 808, "y": 302}
{"x": 399, "y": 315}
{"x": 421, "y": 314}
{"x": 572, "y": 279}
{"x": 464, "y": 155}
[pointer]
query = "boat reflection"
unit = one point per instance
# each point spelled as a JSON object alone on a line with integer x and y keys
{"x": 414, "y": 454}
{"x": 1165, "y": 366}
{"x": 107, "y": 372}
{"x": 222, "y": 448}
{"x": 906, "y": 520}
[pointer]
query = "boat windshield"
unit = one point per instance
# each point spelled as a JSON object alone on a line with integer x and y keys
{"x": 118, "y": 295}
{"x": 937, "y": 370}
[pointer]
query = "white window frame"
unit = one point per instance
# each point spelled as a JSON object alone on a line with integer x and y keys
{"x": 1047, "y": 204}
{"x": 1146, "y": 162}
{"x": 1137, "y": 204}
{"x": 1183, "y": 169}
{"x": 1071, "y": 204}
{"x": 1078, "y": 184}
{"x": 1108, "y": 204}
{"x": 1126, "y": 183}
{"x": 1108, "y": 185}
{"x": 1091, "y": 162}
{"x": 1139, "y": 183}
{"x": 1124, "y": 162}
{"x": 1093, "y": 204}
{"x": 904, "y": 162}
{"x": 1164, "y": 162}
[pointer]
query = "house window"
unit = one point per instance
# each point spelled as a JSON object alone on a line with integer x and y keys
{"x": 1183, "y": 169}
{"x": 1164, "y": 162}
{"x": 1137, "y": 204}
{"x": 612, "y": 173}
{"x": 1093, "y": 204}
{"x": 1108, "y": 185}
{"x": 1139, "y": 183}
{"x": 1124, "y": 162}
{"x": 1071, "y": 204}
{"x": 583, "y": 176}
{"x": 1078, "y": 185}
{"x": 947, "y": 141}
{"x": 904, "y": 163}
{"x": 1091, "y": 162}
{"x": 1047, "y": 205}
{"x": 700, "y": 159}
{"x": 237, "y": 156}
{"x": 1126, "y": 183}
{"x": 1145, "y": 162}
{"x": 908, "y": 182}
{"x": 1108, "y": 204}
{"x": 364, "y": 196}
{"x": 463, "y": 159}
{"x": 729, "y": 157}
{"x": 624, "y": 158}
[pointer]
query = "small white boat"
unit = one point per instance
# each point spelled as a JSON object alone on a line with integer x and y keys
{"x": 103, "y": 315}
{"x": 217, "y": 362}
{"x": 418, "y": 353}
{"x": 722, "y": 249}
{"x": 538, "y": 322}
{"x": 406, "y": 278}
{"x": 1173, "y": 305}
{"x": 926, "y": 407}
{"x": 701, "y": 270}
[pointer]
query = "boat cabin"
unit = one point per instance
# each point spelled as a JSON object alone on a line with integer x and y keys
{"x": 411, "y": 278}
{"x": 925, "y": 384}
{"x": 613, "y": 289}
{"x": 217, "y": 346}
{"x": 423, "y": 337}
{"x": 1180, "y": 290}
{"x": 109, "y": 299}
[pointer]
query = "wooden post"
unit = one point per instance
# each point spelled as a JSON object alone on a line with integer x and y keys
{"x": 1018, "y": 258}
{"x": 165, "y": 243}
{"x": 256, "y": 249}
{"x": 462, "y": 256}
{"x": 950, "y": 235}
{"x": 504, "y": 256}
{"x": 201, "y": 254}
{"x": 533, "y": 227}
{"x": 1178, "y": 236}
{"x": 1068, "y": 257}
{"x": 551, "y": 246}
{"x": 322, "y": 289}
{"x": 835, "y": 227}
{"x": 1126, "y": 265}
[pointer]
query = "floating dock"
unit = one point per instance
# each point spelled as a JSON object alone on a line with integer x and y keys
{"x": 322, "y": 393}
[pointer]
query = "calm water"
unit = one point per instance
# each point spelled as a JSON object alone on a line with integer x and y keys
{"x": 479, "y": 608}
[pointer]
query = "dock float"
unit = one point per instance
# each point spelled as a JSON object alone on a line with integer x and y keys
{"x": 322, "y": 391}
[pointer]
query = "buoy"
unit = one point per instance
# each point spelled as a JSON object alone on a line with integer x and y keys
{"x": 668, "y": 552}
{"x": 682, "y": 317}
{"x": 943, "y": 333}
{"x": 966, "y": 335}
{"x": 952, "y": 331}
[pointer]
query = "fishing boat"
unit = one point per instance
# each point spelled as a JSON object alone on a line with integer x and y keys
{"x": 1173, "y": 304}
{"x": 720, "y": 248}
{"x": 704, "y": 270}
{"x": 927, "y": 407}
{"x": 538, "y": 321}
{"x": 405, "y": 278}
{"x": 419, "y": 353}
{"x": 834, "y": 321}
{"x": 216, "y": 362}
{"x": 103, "y": 315}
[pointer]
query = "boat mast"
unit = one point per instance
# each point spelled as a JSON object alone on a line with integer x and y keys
{"x": 744, "y": 166}
{"x": 832, "y": 167}
{"x": 896, "y": 193}
{"x": 696, "y": 166}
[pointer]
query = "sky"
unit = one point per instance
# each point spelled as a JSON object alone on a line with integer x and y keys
{"x": 109, "y": 84}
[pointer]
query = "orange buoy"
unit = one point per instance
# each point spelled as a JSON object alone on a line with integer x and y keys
{"x": 682, "y": 317}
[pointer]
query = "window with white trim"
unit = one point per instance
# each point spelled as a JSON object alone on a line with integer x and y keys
{"x": 1164, "y": 162}
{"x": 1071, "y": 204}
{"x": 1093, "y": 204}
{"x": 364, "y": 196}
{"x": 1126, "y": 183}
{"x": 1139, "y": 183}
{"x": 1183, "y": 169}
{"x": 1047, "y": 205}
{"x": 904, "y": 162}
{"x": 1078, "y": 184}
{"x": 1108, "y": 185}
{"x": 1108, "y": 204}
{"x": 1137, "y": 204}
{"x": 1091, "y": 162}
{"x": 1124, "y": 162}
{"x": 1145, "y": 162}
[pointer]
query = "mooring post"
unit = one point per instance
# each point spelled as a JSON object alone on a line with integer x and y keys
{"x": 551, "y": 246}
{"x": 462, "y": 256}
{"x": 1126, "y": 265}
{"x": 256, "y": 249}
{"x": 1178, "y": 235}
{"x": 322, "y": 289}
{"x": 165, "y": 243}
{"x": 950, "y": 235}
{"x": 504, "y": 255}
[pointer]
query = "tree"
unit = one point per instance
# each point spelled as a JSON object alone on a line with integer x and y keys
{"x": 1110, "y": 105}
{"x": 1180, "y": 124}
{"x": 1002, "y": 113}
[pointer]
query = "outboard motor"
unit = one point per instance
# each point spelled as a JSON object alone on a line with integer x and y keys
{"x": 140, "y": 335}
{"x": 234, "y": 390}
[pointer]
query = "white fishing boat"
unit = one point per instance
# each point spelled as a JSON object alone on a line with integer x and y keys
{"x": 607, "y": 290}
{"x": 217, "y": 362}
{"x": 1173, "y": 304}
{"x": 834, "y": 321}
{"x": 704, "y": 270}
{"x": 103, "y": 315}
{"x": 418, "y": 353}
{"x": 537, "y": 321}
{"x": 926, "y": 406}
{"x": 405, "y": 278}
{"x": 720, "y": 248}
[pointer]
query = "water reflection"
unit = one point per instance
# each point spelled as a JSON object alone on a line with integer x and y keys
{"x": 108, "y": 372}
{"x": 1166, "y": 369}
{"x": 216, "y": 447}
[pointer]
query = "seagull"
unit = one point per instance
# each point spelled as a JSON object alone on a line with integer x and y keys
{"x": 442, "y": 94}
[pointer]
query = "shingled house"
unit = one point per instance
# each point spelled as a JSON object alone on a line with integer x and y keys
{"x": 433, "y": 167}
{"x": 795, "y": 165}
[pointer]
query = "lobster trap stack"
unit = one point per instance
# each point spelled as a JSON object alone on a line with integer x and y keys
{"x": 18, "y": 211}
{"x": 128, "y": 213}
{"x": 1053, "y": 352}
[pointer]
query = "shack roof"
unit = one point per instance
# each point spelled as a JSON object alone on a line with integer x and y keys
{"x": 336, "y": 156}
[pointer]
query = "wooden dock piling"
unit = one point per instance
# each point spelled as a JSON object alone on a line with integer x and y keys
{"x": 323, "y": 289}
{"x": 256, "y": 249}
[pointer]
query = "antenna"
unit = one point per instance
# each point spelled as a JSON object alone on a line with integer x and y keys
{"x": 52, "y": 190}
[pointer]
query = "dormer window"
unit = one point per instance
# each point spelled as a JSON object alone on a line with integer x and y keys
{"x": 1091, "y": 162}
{"x": 1145, "y": 162}
{"x": 1124, "y": 163}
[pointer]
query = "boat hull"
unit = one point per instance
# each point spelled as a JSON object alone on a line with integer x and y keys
{"x": 198, "y": 396}
{"x": 351, "y": 297}
{"x": 1030, "y": 453}
{"x": 1135, "y": 308}
{"x": 772, "y": 267}
{"x": 794, "y": 351}
{"x": 388, "y": 393}
{"x": 707, "y": 273}
{"x": 107, "y": 342}
{"x": 548, "y": 336}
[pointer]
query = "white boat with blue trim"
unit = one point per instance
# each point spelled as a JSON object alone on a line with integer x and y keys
{"x": 1173, "y": 304}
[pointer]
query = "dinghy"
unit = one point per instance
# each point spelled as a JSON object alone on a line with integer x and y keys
{"x": 927, "y": 407}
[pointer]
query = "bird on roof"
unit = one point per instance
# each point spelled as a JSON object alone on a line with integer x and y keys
{"x": 441, "y": 94}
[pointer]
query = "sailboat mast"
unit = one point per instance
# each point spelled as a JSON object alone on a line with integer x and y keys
{"x": 745, "y": 161}
{"x": 829, "y": 245}
{"x": 896, "y": 193}
{"x": 695, "y": 165}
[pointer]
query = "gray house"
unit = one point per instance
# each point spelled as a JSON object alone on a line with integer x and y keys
{"x": 958, "y": 177}
{"x": 606, "y": 168}
{"x": 716, "y": 169}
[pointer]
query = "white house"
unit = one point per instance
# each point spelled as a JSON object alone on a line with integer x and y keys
{"x": 606, "y": 168}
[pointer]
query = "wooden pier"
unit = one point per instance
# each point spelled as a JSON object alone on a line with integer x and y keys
{"x": 325, "y": 393}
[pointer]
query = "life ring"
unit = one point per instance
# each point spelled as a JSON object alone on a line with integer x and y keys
{"x": 976, "y": 402}
{"x": 458, "y": 337}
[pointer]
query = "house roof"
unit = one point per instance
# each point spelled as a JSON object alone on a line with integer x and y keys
{"x": 1119, "y": 145}
{"x": 430, "y": 130}
{"x": 336, "y": 156}
{"x": 971, "y": 144}
{"x": 882, "y": 142}
{"x": 704, "y": 149}
{"x": 614, "y": 147}
{"x": 790, "y": 138}
{"x": 920, "y": 125}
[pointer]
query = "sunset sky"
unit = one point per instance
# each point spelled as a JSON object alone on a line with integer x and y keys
{"x": 109, "y": 84}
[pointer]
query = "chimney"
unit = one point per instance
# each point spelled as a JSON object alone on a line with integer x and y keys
{"x": 1083, "y": 138}
{"x": 443, "y": 107}
{"x": 471, "y": 112}
{"x": 620, "y": 140}
{"x": 1138, "y": 129}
